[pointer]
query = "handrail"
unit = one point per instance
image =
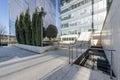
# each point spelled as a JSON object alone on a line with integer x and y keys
{"x": 71, "y": 55}
{"x": 111, "y": 53}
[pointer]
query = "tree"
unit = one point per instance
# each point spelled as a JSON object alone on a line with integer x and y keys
{"x": 28, "y": 32}
{"x": 38, "y": 30}
{"x": 44, "y": 32}
{"x": 2, "y": 32}
{"x": 51, "y": 32}
{"x": 34, "y": 26}
{"x": 22, "y": 29}
{"x": 17, "y": 30}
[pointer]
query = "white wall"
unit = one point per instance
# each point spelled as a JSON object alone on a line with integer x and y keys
{"x": 111, "y": 36}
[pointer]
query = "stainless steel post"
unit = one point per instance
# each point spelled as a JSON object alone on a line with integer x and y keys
{"x": 111, "y": 67}
{"x": 72, "y": 54}
{"x": 76, "y": 51}
{"x": 69, "y": 54}
{"x": 81, "y": 48}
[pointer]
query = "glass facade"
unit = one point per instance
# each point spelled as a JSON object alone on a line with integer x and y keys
{"x": 76, "y": 16}
{"x": 18, "y": 6}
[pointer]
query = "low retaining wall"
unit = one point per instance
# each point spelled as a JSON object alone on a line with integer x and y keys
{"x": 36, "y": 48}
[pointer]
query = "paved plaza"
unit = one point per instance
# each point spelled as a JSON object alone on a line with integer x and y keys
{"x": 20, "y": 64}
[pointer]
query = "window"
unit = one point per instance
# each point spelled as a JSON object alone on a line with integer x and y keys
{"x": 64, "y": 25}
{"x": 75, "y": 6}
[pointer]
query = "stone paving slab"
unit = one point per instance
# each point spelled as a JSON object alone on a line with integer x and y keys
{"x": 74, "y": 72}
{"x": 52, "y": 65}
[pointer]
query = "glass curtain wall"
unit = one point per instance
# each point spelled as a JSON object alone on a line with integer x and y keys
{"x": 18, "y": 6}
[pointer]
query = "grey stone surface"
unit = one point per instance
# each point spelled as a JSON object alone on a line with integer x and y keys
{"x": 51, "y": 65}
{"x": 8, "y": 53}
{"x": 74, "y": 72}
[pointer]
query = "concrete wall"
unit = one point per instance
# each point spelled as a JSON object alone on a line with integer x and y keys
{"x": 111, "y": 36}
{"x": 35, "y": 48}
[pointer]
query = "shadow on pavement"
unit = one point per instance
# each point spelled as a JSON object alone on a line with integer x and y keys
{"x": 13, "y": 52}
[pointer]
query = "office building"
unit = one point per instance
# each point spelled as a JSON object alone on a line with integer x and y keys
{"x": 81, "y": 16}
{"x": 18, "y": 6}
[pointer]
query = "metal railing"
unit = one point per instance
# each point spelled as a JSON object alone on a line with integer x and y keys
{"x": 111, "y": 59}
{"x": 75, "y": 50}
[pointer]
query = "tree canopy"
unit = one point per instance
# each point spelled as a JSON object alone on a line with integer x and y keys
{"x": 51, "y": 31}
{"x": 28, "y": 32}
{"x": 22, "y": 29}
{"x": 34, "y": 26}
{"x": 17, "y": 30}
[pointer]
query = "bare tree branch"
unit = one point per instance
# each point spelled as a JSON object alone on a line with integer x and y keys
{"x": 2, "y": 30}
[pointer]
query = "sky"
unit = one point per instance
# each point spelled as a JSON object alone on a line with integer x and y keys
{"x": 4, "y": 15}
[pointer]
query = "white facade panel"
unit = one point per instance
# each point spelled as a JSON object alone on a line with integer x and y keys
{"x": 111, "y": 37}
